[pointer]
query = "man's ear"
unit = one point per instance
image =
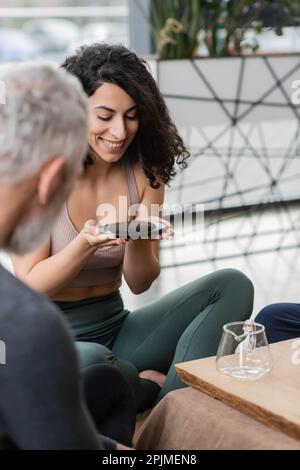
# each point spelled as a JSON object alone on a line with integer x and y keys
{"x": 50, "y": 177}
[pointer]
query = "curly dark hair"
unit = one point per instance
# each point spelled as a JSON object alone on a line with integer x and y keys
{"x": 157, "y": 144}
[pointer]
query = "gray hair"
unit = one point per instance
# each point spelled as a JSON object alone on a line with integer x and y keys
{"x": 44, "y": 114}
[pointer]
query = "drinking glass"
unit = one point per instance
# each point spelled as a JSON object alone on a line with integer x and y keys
{"x": 243, "y": 353}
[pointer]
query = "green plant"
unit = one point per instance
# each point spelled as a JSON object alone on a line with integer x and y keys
{"x": 225, "y": 22}
{"x": 176, "y": 24}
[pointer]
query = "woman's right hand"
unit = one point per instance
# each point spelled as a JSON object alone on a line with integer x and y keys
{"x": 95, "y": 238}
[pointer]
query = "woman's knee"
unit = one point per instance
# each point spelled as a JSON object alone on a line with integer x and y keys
{"x": 235, "y": 276}
{"x": 231, "y": 278}
{"x": 93, "y": 353}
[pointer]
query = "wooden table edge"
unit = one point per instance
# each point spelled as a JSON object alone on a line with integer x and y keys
{"x": 266, "y": 417}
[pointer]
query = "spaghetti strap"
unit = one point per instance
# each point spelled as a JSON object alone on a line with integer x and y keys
{"x": 131, "y": 183}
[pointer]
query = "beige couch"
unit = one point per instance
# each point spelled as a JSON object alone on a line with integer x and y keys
{"x": 187, "y": 419}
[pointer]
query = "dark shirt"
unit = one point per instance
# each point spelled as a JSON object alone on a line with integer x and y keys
{"x": 41, "y": 402}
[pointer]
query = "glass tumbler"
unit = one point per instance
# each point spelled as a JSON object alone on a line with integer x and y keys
{"x": 243, "y": 353}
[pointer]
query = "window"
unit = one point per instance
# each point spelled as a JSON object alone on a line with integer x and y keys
{"x": 52, "y": 29}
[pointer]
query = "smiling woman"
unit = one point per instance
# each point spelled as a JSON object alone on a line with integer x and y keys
{"x": 119, "y": 83}
{"x": 113, "y": 122}
{"x": 133, "y": 148}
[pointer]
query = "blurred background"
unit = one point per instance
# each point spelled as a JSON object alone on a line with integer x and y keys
{"x": 52, "y": 29}
{"x": 249, "y": 185}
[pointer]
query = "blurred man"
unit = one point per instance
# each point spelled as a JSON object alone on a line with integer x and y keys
{"x": 43, "y": 135}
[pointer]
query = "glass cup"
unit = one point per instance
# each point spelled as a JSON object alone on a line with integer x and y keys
{"x": 243, "y": 352}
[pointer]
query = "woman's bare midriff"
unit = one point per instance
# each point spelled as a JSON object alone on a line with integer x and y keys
{"x": 73, "y": 294}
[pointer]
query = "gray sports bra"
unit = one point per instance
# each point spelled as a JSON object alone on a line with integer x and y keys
{"x": 106, "y": 264}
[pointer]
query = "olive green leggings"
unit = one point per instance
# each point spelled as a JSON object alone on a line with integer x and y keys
{"x": 183, "y": 325}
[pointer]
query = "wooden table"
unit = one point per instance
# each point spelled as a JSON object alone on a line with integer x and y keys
{"x": 273, "y": 400}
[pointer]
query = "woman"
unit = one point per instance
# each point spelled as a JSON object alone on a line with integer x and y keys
{"x": 133, "y": 149}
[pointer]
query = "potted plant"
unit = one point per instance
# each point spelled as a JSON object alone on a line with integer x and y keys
{"x": 234, "y": 107}
{"x": 176, "y": 24}
{"x": 175, "y": 27}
